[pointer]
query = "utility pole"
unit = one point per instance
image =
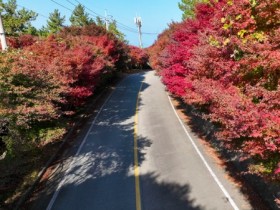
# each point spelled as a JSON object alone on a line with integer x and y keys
{"x": 138, "y": 22}
{"x": 108, "y": 18}
{"x": 2, "y": 35}
{"x": 106, "y": 21}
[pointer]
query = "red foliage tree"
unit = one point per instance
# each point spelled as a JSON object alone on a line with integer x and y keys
{"x": 138, "y": 57}
{"x": 158, "y": 51}
{"x": 119, "y": 51}
{"x": 227, "y": 59}
{"x": 184, "y": 38}
{"x": 73, "y": 64}
{"x": 44, "y": 79}
{"x": 21, "y": 41}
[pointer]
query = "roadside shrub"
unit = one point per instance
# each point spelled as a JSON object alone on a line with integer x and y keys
{"x": 138, "y": 58}
{"x": 43, "y": 81}
{"x": 226, "y": 60}
{"x": 21, "y": 41}
{"x": 158, "y": 52}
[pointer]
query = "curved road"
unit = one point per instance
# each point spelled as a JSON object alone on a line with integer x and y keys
{"x": 145, "y": 159}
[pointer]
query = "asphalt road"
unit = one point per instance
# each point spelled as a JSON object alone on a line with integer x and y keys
{"x": 144, "y": 159}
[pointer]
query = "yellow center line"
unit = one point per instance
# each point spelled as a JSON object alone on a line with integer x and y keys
{"x": 136, "y": 163}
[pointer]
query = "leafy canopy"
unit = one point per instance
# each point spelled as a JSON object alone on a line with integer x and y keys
{"x": 80, "y": 17}
{"x": 15, "y": 21}
{"x": 112, "y": 28}
{"x": 55, "y": 22}
{"x": 225, "y": 61}
{"x": 188, "y": 7}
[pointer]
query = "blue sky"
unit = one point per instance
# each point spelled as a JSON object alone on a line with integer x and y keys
{"x": 155, "y": 14}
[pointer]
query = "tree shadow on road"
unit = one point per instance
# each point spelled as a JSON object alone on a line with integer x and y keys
{"x": 250, "y": 185}
{"x": 105, "y": 179}
{"x": 165, "y": 196}
{"x": 102, "y": 175}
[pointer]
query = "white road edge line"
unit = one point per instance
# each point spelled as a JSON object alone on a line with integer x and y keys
{"x": 233, "y": 204}
{"x": 55, "y": 195}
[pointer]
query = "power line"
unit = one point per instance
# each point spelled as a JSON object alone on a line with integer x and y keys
{"x": 89, "y": 9}
{"x": 44, "y": 16}
{"x": 135, "y": 31}
{"x": 150, "y": 33}
{"x": 125, "y": 27}
{"x": 61, "y": 5}
{"x": 132, "y": 31}
{"x": 71, "y": 3}
{"x": 94, "y": 14}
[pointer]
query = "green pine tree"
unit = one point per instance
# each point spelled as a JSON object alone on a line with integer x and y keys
{"x": 15, "y": 21}
{"x": 100, "y": 22}
{"x": 114, "y": 30}
{"x": 31, "y": 30}
{"x": 79, "y": 17}
{"x": 43, "y": 32}
{"x": 55, "y": 22}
